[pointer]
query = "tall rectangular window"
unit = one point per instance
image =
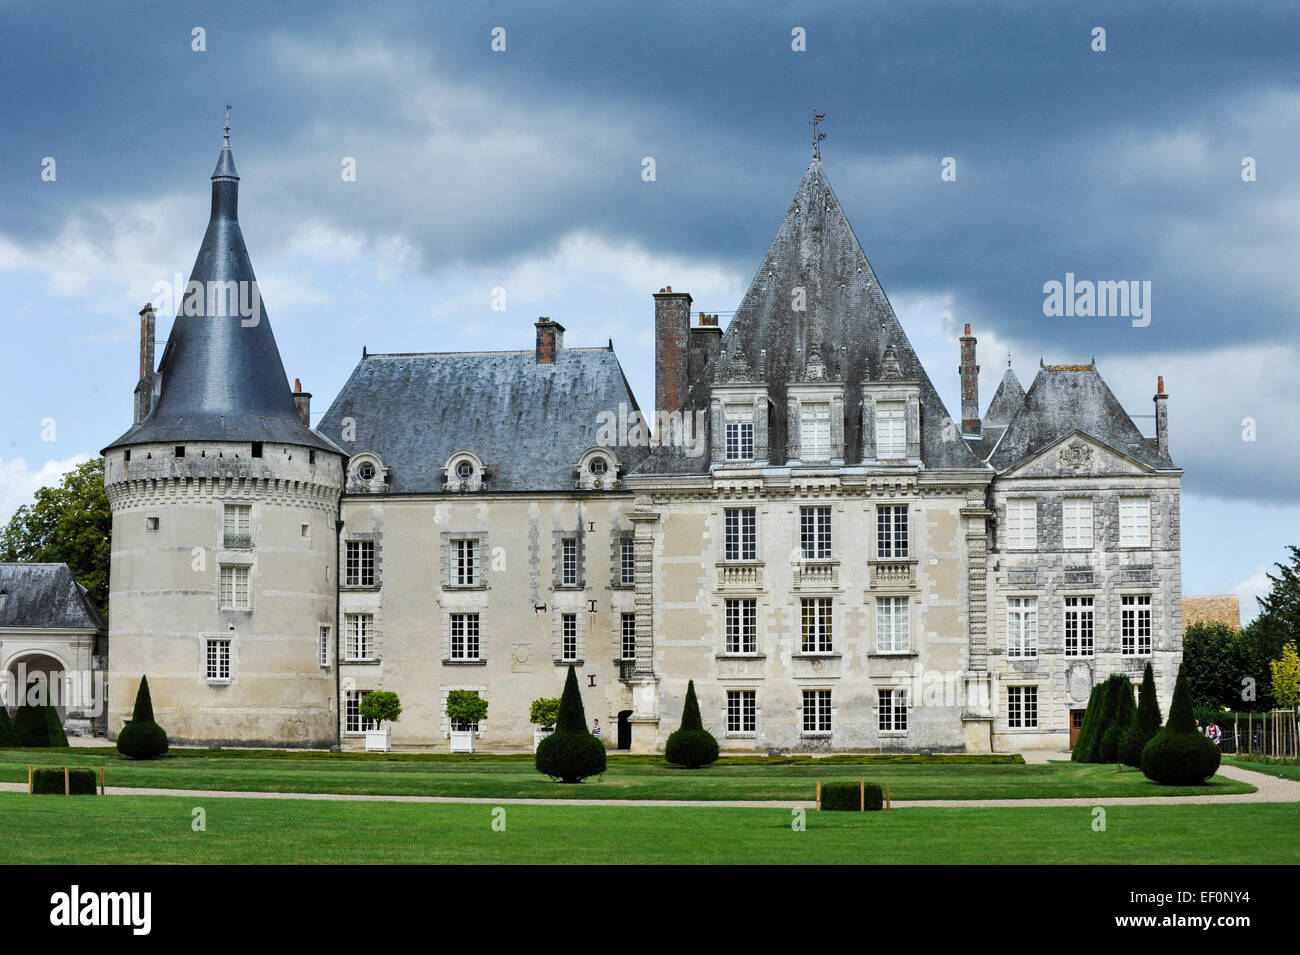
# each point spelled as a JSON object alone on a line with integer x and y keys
{"x": 465, "y": 636}
{"x": 1022, "y": 707}
{"x": 815, "y": 613}
{"x": 359, "y": 563}
{"x": 1022, "y": 523}
{"x": 1135, "y": 625}
{"x": 740, "y": 531}
{"x": 742, "y": 626}
{"x": 217, "y": 653}
{"x": 893, "y": 634}
{"x": 237, "y": 526}
{"x": 359, "y": 642}
{"x": 817, "y": 711}
{"x": 569, "y": 637}
{"x": 569, "y": 562}
{"x": 1079, "y": 626}
{"x": 1135, "y": 521}
{"x": 234, "y": 588}
{"x": 742, "y": 711}
{"x": 891, "y": 429}
{"x": 629, "y": 637}
{"x": 627, "y": 561}
{"x": 815, "y": 431}
{"x": 1076, "y": 523}
{"x": 891, "y": 710}
{"x": 323, "y": 646}
{"x": 891, "y": 531}
{"x": 740, "y": 434}
{"x": 1022, "y": 627}
{"x": 815, "y": 532}
{"x": 465, "y": 563}
{"x": 353, "y": 721}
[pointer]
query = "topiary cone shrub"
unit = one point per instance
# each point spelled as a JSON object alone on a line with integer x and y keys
{"x": 1145, "y": 722}
{"x": 692, "y": 745}
{"x": 1178, "y": 755}
{"x": 1122, "y": 709}
{"x": 142, "y": 738}
{"x": 1089, "y": 723}
{"x": 570, "y": 754}
{"x": 54, "y": 726}
{"x": 31, "y": 724}
{"x": 8, "y": 738}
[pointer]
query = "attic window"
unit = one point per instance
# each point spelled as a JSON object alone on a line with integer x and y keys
{"x": 598, "y": 466}
{"x": 366, "y": 471}
{"x": 180, "y": 450}
{"x": 257, "y": 449}
{"x": 126, "y": 456}
{"x": 311, "y": 456}
{"x": 465, "y": 470}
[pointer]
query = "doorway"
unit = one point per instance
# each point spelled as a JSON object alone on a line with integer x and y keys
{"x": 1076, "y": 724}
{"x": 625, "y": 729}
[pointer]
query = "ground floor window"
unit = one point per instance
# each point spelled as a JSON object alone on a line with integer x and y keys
{"x": 892, "y": 710}
{"x": 816, "y": 711}
{"x": 217, "y": 655}
{"x": 742, "y": 711}
{"x": 353, "y": 721}
{"x": 1022, "y": 707}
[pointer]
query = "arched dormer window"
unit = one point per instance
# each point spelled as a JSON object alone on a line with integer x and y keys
{"x": 367, "y": 473}
{"x": 597, "y": 469}
{"x": 464, "y": 471}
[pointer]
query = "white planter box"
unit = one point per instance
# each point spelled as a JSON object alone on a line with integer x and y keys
{"x": 380, "y": 740}
{"x": 462, "y": 741}
{"x": 540, "y": 734}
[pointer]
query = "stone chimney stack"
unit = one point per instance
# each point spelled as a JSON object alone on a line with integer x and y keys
{"x": 705, "y": 343}
{"x": 970, "y": 385}
{"x": 672, "y": 348}
{"x": 550, "y": 339}
{"x": 144, "y": 388}
{"x": 302, "y": 402}
{"x": 1162, "y": 416}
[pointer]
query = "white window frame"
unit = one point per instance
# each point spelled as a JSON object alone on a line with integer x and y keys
{"x": 1076, "y": 523}
{"x": 891, "y": 430}
{"x": 1134, "y": 520}
{"x": 1080, "y": 626}
{"x": 739, "y": 433}
{"x": 627, "y": 635}
{"x": 466, "y": 640}
{"x": 627, "y": 561}
{"x": 236, "y": 524}
{"x": 217, "y": 659}
{"x": 742, "y": 712}
{"x": 359, "y": 565}
{"x": 817, "y": 713}
{"x": 323, "y": 646}
{"x": 817, "y": 625}
{"x": 893, "y": 625}
{"x": 1135, "y": 625}
{"x": 740, "y": 618}
{"x": 359, "y": 640}
{"x": 1022, "y": 707}
{"x": 569, "y": 637}
{"x": 1022, "y": 523}
{"x": 740, "y": 533}
{"x": 891, "y": 710}
{"x": 815, "y": 532}
{"x": 814, "y": 431}
{"x": 892, "y": 531}
{"x": 234, "y": 587}
{"x": 569, "y": 562}
{"x": 1022, "y": 628}
{"x": 466, "y": 569}
{"x": 353, "y": 722}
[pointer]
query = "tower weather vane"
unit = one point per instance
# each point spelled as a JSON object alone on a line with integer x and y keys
{"x": 818, "y": 135}
{"x": 227, "y": 127}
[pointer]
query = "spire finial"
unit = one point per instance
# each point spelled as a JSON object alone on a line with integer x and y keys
{"x": 1008, "y": 357}
{"x": 818, "y": 135}
{"x": 226, "y": 131}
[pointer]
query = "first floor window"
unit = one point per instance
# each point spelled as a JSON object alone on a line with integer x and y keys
{"x": 892, "y": 710}
{"x": 218, "y": 661}
{"x": 237, "y": 525}
{"x": 627, "y": 561}
{"x": 1076, "y": 514}
{"x": 816, "y": 711}
{"x": 464, "y": 563}
{"x": 569, "y": 562}
{"x": 893, "y": 634}
{"x": 1134, "y": 521}
{"x": 323, "y": 646}
{"x": 569, "y": 636}
{"x": 234, "y": 588}
{"x": 891, "y": 430}
{"x": 742, "y": 711}
{"x": 359, "y": 564}
{"x": 464, "y": 636}
{"x": 1022, "y": 523}
{"x": 360, "y": 643}
{"x": 1135, "y": 625}
{"x": 891, "y": 531}
{"x": 816, "y": 618}
{"x": 353, "y": 721}
{"x": 1079, "y": 626}
{"x": 815, "y": 532}
{"x": 1022, "y": 627}
{"x": 739, "y": 534}
{"x": 742, "y": 626}
{"x": 629, "y": 637}
{"x": 1022, "y": 707}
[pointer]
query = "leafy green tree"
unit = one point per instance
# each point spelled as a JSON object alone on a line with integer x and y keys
{"x": 68, "y": 524}
{"x": 571, "y": 753}
{"x": 1286, "y": 677}
{"x": 464, "y": 707}
{"x": 692, "y": 745}
{"x": 544, "y": 711}
{"x": 1279, "y": 611}
{"x": 1144, "y": 724}
{"x": 1180, "y": 755}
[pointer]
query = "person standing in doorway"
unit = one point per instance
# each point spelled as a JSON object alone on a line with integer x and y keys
{"x": 595, "y": 728}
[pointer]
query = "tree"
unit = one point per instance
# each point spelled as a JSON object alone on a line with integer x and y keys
{"x": 1144, "y": 724}
{"x": 380, "y": 705}
{"x": 1086, "y": 730}
{"x": 692, "y": 745}
{"x": 1179, "y": 755}
{"x": 570, "y": 754}
{"x": 142, "y": 738}
{"x": 1279, "y": 611}
{"x": 1121, "y": 717}
{"x": 465, "y": 708}
{"x": 68, "y": 524}
{"x": 1286, "y": 677}
{"x": 544, "y": 711}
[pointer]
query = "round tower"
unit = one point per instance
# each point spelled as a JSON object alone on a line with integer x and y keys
{"x": 225, "y": 503}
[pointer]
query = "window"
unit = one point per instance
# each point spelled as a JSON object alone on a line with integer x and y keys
{"x": 892, "y": 711}
{"x": 816, "y": 616}
{"x": 1135, "y": 625}
{"x": 740, "y": 543}
{"x": 627, "y": 561}
{"x": 628, "y": 651}
{"x": 815, "y": 431}
{"x": 740, "y": 436}
{"x": 569, "y": 562}
{"x": 1079, "y": 626}
{"x": 742, "y": 626}
{"x": 217, "y": 653}
{"x": 323, "y": 646}
{"x": 742, "y": 711}
{"x": 1076, "y": 514}
{"x": 359, "y": 564}
{"x": 815, "y": 532}
{"x": 464, "y": 470}
{"x": 256, "y": 451}
{"x": 464, "y": 563}
{"x": 1022, "y": 707}
{"x": 569, "y": 637}
{"x": 816, "y": 711}
{"x": 353, "y": 721}
{"x": 1134, "y": 522}
{"x": 237, "y": 530}
{"x": 598, "y": 467}
{"x": 891, "y": 531}
{"x": 234, "y": 588}
{"x": 892, "y": 633}
{"x": 464, "y": 636}
{"x": 1022, "y": 627}
{"x": 891, "y": 429}
{"x": 360, "y": 642}
{"x": 366, "y": 471}
{"x": 1022, "y": 523}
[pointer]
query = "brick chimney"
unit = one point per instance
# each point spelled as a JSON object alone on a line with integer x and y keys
{"x": 970, "y": 385}
{"x": 705, "y": 343}
{"x": 672, "y": 348}
{"x": 1162, "y": 416}
{"x": 302, "y": 402}
{"x": 550, "y": 339}
{"x": 144, "y": 387}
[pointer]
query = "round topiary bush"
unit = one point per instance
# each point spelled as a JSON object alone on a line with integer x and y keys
{"x": 692, "y": 745}
{"x": 1178, "y": 755}
{"x": 570, "y": 754}
{"x": 142, "y": 738}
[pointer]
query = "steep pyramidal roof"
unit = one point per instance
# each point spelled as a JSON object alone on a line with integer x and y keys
{"x": 1006, "y": 401}
{"x": 221, "y": 378}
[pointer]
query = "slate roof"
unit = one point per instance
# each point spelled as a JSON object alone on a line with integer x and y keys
{"x": 529, "y": 422}
{"x": 1006, "y": 401}
{"x": 848, "y": 318}
{"x": 1065, "y": 398}
{"x": 45, "y": 596}
{"x": 222, "y": 380}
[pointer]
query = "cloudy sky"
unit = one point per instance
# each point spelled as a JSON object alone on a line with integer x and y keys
{"x": 522, "y": 169}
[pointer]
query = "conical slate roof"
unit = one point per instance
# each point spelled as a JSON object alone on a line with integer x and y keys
{"x": 221, "y": 377}
{"x": 1006, "y": 401}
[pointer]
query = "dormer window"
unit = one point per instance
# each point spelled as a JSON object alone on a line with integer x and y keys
{"x": 740, "y": 433}
{"x": 891, "y": 429}
{"x": 598, "y": 467}
{"x": 815, "y": 431}
{"x": 464, "y": 470}
{"x": 366, "y": 471}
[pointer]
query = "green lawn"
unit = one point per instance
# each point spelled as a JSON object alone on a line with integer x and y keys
{"x": 500, "y": 777}
{"x": 1267, "y": 766}
{"x": 158, "y": 829}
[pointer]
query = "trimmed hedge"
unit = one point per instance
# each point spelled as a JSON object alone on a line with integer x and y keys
{"x": 1121, "y": 716}
{"x": 8, "y": 738}
{"x": 142, "y": 738}
{"x": 57, "y": 736}
{"x": 692, "y": 745}
{"x": 1179, "y": 755}
{"x": 31, "y": 726}
{"x": 1088, "y": 730}
{"x": 1145, "y": 722}
{"x": 847, "y": 796}
{"x": 81, "y": 782}
{"x": 1099, "y": 736}
{"x": 570, "y": 754}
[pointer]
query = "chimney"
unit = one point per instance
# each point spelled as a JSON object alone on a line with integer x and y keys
{"x": 1162, "y": 416}
{"x": 302, "y": 402}
{"x": 144, "y": 387}
{"x": 550, "y": 339}
{"x": 970, "y": 385}
{"x": 672, "y": 350}
{"x": 705, "y": 343}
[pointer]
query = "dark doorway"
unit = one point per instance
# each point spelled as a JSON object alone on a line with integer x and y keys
{"x": 625, "y": 729}
{"x": 1076, "y": 724}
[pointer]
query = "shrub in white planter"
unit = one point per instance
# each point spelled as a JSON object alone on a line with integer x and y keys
{"x": 542, "y": 713}
{"x": 380, "y": 706}
{"x": 465, "y": 708}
